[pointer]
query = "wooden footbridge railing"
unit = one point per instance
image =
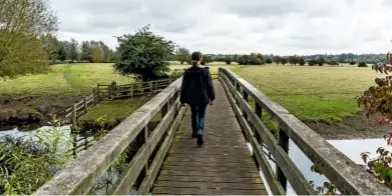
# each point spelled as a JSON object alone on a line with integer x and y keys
{"x": 152, "y": 146}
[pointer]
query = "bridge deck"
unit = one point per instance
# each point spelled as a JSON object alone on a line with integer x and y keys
{"x": 222, "y": 166}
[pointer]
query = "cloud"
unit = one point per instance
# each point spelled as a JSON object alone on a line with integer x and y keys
{"x": 233, "y": 26}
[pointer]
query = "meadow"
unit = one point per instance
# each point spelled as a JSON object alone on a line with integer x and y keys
{"x": 308, "y": 92}
{"x": 327, "y": 93}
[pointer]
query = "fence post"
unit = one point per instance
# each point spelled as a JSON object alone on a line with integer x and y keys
{"x": 165, "y": 109}
{"x": 151, "y": 87}
{"x": 246, "y": 97}
{"x": 85, "y": 105}
{"x": 110, "y": 92}
{"x": 146, "y": 140}
{"x": 258, "y": 112}
{"x": 283, "y": 141}
{"x": 132, "y": 91}
{"x": 74, "y": 116}
{"x": 97, "y": 93}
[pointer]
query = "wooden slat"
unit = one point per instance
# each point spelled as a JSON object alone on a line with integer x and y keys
{"x": 338, "y": 168}
{"x": 129, "y": 176}
{"x": 297, "y": 180}
{"x": 157, "y": 163}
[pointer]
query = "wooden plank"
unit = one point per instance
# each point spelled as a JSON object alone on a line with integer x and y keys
{"x": 297, "y": 180}
{"x": 79, "y": 177}
{"x": 213, "y": 185}
{"x": 268, "y": 172}
{"x": 208, "y": 179}
{"x": 228, "y": 174}
{"x": 157, "y": 163}
{"x": 337, "y": 167}
{"x": 210, "y": 159}
{"x": 201, "y": 168}
{"x": 129, "y": 176}
{"x": 200, "y": 191}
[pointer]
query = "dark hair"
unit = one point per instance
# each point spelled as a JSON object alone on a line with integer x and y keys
{"x": 196, "y": 56}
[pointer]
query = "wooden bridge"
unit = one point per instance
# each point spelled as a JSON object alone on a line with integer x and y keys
{"x": 166, "y": 160}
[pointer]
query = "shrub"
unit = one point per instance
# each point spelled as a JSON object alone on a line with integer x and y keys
{"x": 352, "y": 63}
{"x": 268, "y": 61}
{"x": 312, "y": 62}
{"x": 362, "y": 64}
{"x": 301, "y": 61}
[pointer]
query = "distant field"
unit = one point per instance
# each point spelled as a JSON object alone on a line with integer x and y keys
{"x": 64, "y": 79}
{"x": 311, "y": 92}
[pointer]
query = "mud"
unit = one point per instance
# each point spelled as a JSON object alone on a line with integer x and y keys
{"x": 356, "y": 127}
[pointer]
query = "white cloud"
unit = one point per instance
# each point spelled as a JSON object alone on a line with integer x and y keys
{"x": 233, "y": 26}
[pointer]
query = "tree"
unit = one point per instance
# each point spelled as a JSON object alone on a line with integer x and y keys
{"x": 61, "y": 52}
{"x": 86, "y": 51}
{"x": 301, "y": 61}
{"x": 261, "y": 57}
{"x": 312, "y": 62}
{"x": 228, "y": 60}
{"x": 144, "y": 54}
{"x": 277, "y": 59}
{"x": 24, "y": 27}
{"x": 243, "y": 60}
{"x": 98, "y": 54}
{"x": 283, "y": 60}
{"x": 182, "y": 55}
{"x": 207, "y": 59}
{"x": 74, "y": 50}
{"x": 320, "y": 61}
{"x": 293, "y": 60}
{"x": 362, "y": 64}
{"x": 268, "y": 60}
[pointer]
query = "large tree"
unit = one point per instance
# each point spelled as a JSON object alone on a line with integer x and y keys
{"x": 144, "y": 54}
{"x": 86, "y": 51}
{"x": 24, "y": 26}
{"x": 74, "y": 50}
{"x": 98, "y": 54}
{"x": 182, "y": 55}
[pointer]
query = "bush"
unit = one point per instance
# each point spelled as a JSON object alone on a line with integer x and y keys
{"x": 268, "y": 61}
{"x": 333, "y": 63}
{"x": 312, "y": 62}
{"x": 362, "y": 64}
{"x": 301, "y": 61}
{"x": 352, "y": 63}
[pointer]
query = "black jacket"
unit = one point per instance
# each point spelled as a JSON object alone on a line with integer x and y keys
{"x": 197, "y": 86}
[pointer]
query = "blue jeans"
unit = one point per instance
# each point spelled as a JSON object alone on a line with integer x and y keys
{"x": 198, "y": 117}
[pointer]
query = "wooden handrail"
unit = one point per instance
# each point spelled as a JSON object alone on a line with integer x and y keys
{"x": 79, "y": 176}
{"x": 338, "y": 168}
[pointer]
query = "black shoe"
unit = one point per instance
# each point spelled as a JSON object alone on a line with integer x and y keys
{"x": 200, "y": 141}
{"x": 194, "y": 134}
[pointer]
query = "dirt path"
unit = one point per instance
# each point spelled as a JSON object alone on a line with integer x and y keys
{"x": 357, "y": 127}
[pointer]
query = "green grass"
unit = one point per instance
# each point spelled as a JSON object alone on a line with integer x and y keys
{"x": 113, "y": 111}
{"x": 71, "y": 79}
{"x": 326, "y": 93}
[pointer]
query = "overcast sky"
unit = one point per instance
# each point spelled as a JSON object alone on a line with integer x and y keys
{"x": 237, "y": 26}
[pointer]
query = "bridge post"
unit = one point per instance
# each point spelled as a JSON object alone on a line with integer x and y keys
{"x": 258, "y": 112}
{"x": 283, "y": 141}
{"x": 165, "y": 109}
{"x": 146, "y": 140}
{"x": 246, "y": 97}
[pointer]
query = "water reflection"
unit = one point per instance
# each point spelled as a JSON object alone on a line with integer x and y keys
{"x": 351, "y": 148}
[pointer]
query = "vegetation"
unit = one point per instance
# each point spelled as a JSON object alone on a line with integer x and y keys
{"x": 113, "y": 111}
{"x": 182, "y": 55}
{"x": 228, "y": 60}
{"x": 310, "y": 92}
{"x": 71, "y": 79}
{"x": 362, "y": 64}
{"x": 26, "y": 164}
{"x": 377, "y": 99}
{"x": 23, "y": 36}
{"x": 144, "y": 55}
{"x": 252, "y": 59}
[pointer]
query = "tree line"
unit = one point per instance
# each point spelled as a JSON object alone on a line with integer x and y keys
{"x": 86, "y": 51}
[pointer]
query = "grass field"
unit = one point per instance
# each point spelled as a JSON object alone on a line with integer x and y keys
{"x": 63, "y": 79}
{"x": 308, "y": 92}
{"x": 311, "y": 92}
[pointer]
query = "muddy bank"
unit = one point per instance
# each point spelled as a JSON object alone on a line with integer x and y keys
{"x": 33, "y": 109}
{"x": 356, "y": 127}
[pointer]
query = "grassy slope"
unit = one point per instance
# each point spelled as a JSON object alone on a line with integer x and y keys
{"x": 311, "y": 92}
{"x": 72, "y": 79}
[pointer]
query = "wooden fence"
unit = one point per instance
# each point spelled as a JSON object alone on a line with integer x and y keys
{"x": 151, "y": 149}
{"x": 80, "y": 108}
{"x": 338, "y": 168}
{"x": 114, "y": 91}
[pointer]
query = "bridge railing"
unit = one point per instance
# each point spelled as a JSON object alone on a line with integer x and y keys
{"x": 150, "y": 150}
{"x": 347, "y": 177}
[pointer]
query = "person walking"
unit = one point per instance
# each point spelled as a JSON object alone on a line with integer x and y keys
{"x": 197, "y": 91}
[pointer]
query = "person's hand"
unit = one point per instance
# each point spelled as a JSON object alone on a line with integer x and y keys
{"x": 210, "y": 102}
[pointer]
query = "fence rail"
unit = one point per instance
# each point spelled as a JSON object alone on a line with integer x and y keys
{"x": 339, "y": 169}
{"x": 151, "y": 148}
